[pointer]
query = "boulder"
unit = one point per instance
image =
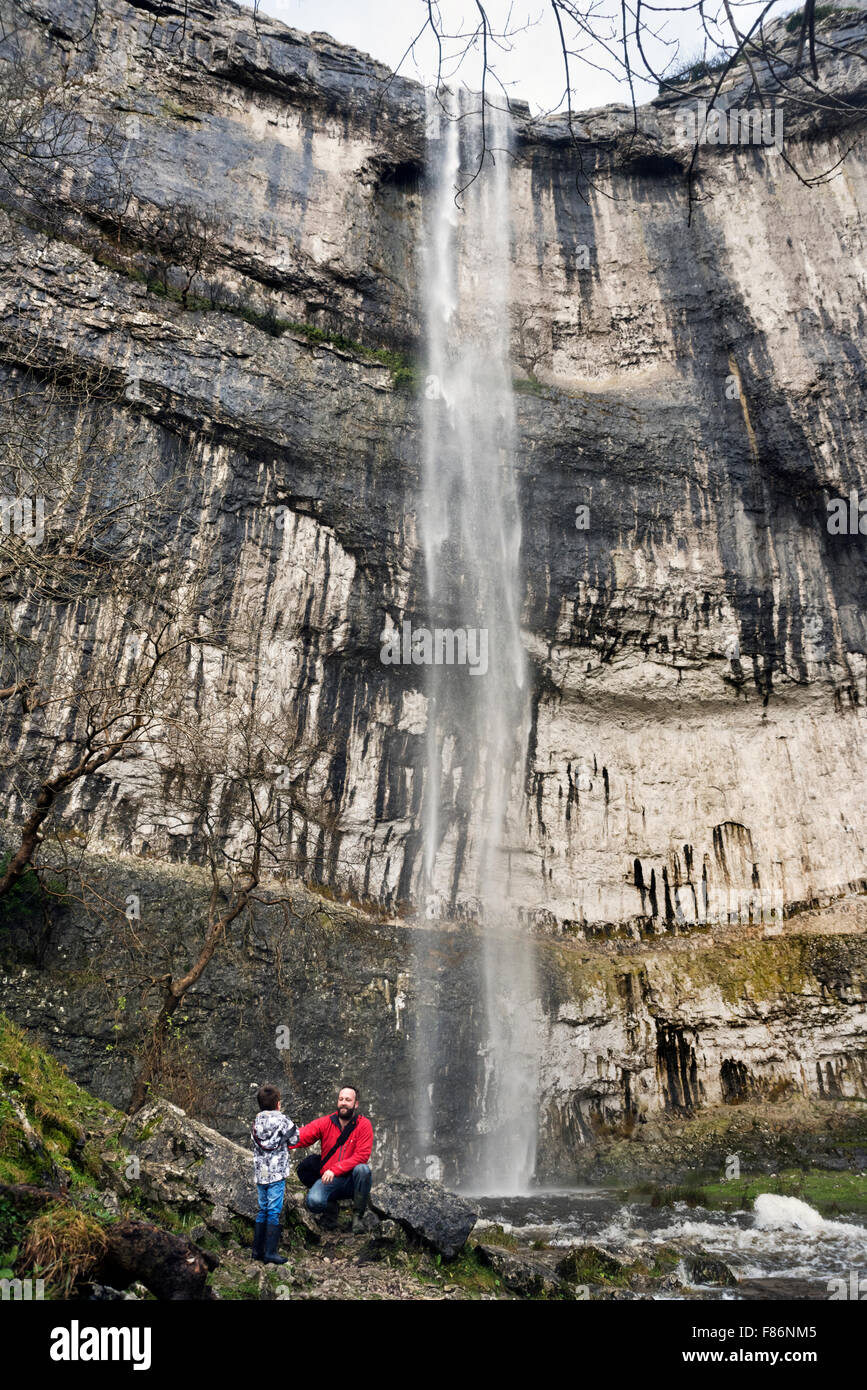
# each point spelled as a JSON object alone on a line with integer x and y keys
{"x": 521, "y": 1273}
{"x": 590, "y": 1264}
{"x": 426, "y": 1210}
{"x": 183, "y": 1163}
{"x": 706, "y": 1269}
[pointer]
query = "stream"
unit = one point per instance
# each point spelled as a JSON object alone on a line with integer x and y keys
{"x": 782, "y": 1248}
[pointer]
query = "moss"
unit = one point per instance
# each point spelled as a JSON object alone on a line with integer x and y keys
{"x": 587, "y": 1265}
{"x": 763, "y": 968}
{"x": 54, "y": 1107}
{"x": 178, "y": 113}
{"x": 465, "y": 1270}
{"x": 149, "y": 1128}
{"x": 528, "y": 386}
{"x": 495, "y": 1235}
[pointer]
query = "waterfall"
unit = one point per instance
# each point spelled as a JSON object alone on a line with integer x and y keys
{"x": 478, "y": 710}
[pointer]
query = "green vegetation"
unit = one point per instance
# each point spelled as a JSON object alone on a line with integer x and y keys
{"x": 696, "y": 68}
{"x": 831, "y": 1193}
{"x": 587, "y": 1265}
{"x": 495, "y": 1235}
{"x": 40, "y": 1114}
{"x": 795, "y": 20}
{"x": 528, "y": 386}
{"x": 63, "y": 1245}
{"x": 755, "y": 968}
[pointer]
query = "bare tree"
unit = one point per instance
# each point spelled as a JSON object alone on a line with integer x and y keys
{"x": 230, "y": 797}
{"x": 629, "y": 40}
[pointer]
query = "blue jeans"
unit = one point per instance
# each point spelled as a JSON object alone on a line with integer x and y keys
{"x": 270, "y": 1200}
{"x": 353, "y": 1184}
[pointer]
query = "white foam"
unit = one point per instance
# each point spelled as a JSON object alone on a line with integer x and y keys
{"x": 775, "y": 1213}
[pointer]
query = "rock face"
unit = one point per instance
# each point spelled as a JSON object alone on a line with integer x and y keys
{"x": 698, "y": 651}
{"x": 701, "y": 392}
{"x": 427, "y": 1210}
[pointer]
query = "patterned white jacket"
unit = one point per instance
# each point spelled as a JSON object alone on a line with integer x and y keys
{"x": 272, "y": 1134}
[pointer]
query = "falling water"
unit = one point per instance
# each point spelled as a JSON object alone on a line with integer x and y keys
{"x": 478, "y": 721}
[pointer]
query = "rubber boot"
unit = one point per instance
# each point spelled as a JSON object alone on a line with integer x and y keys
{"x": 358, "y": 1206}
{"x": 259, "y": 1240}
{"x": 272, "y": 1240}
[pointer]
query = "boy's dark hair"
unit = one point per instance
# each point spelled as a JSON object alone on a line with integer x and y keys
{"x": 268, "y": 1097}
{"x": 350, "y": 1086}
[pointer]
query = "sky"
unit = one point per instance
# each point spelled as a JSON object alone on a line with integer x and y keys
{"x": 533, "y": 69}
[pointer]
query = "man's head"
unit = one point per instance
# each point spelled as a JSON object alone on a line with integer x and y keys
{"x": 347, "y": 1102}
{"x": 268, "y": 1098}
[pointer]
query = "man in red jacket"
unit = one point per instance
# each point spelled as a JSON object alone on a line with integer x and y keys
{"x": 340, "y": 1169}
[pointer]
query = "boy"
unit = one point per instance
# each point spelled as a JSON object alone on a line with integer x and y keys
{"x": 272, "y": 1134}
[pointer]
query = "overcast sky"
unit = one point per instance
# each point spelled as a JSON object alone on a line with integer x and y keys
{"x": 533, "y": 69}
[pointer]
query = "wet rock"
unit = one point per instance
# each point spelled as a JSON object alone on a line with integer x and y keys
{"x": 521, "y": 1273}
{"x": 706, "y": 1269}
{"x": 427, "y": 1211}
{"x": 788, "y": 1290}
{"x": 588, "y": 1264}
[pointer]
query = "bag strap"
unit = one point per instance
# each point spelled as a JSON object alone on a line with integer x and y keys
{"x": 342, "y": 1140}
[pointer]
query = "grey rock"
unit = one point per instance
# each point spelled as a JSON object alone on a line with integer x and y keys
{"x": 584, "y": 1264}
{"x": 707, "y": 1269}
{"x": 189, "y": 1166}
{"x": 698, "y": 642}
{"x": 521, "y": 1273}
{"x": 427, "y": 1211}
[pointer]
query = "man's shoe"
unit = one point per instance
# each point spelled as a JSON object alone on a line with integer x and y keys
{"x": 272, "y": 1240}
{"x": 358, "y": 1226}
{"x": 328, "y": 1218}
{"x": 259, "y": 1240}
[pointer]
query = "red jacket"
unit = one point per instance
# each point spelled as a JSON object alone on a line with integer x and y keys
{"x": 327, "y": 1130}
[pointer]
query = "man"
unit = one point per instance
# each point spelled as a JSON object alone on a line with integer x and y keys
{"x": 340, "y": 1169}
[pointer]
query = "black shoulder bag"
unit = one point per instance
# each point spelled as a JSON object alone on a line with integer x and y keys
{"x": 311, "y": 1168}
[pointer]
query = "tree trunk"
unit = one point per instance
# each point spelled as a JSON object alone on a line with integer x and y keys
{"x": 175, "y": 992}
{"x": 153, "y": 1052}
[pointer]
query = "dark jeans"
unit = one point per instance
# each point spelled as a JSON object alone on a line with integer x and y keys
{"x": 354, "y": 1184}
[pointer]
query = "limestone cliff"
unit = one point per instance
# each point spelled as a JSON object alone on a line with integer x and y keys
{"x": 698, "y": 650}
